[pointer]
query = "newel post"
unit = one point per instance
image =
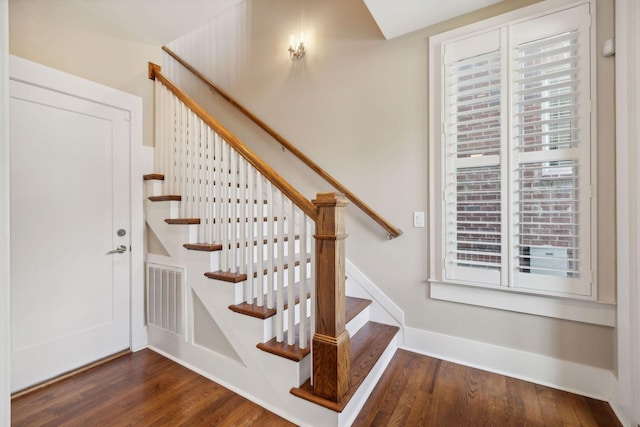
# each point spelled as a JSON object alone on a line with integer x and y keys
{"x": 331, "y": 357}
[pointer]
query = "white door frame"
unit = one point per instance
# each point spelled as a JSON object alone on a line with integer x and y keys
{"x": 626, "y": 399}
{"x": 33, "y": 73}
{"x": 5, "y": 300}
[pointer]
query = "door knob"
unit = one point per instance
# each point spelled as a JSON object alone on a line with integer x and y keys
{"x": 120, "y": 249}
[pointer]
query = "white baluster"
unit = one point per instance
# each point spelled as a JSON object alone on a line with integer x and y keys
{"x": 190, "y": 146}
{"x": 166, "y": 127}
{"x": 270, "y": 246}
{"x": 259, "y": 238}
{"x": 290, "y": 222}
{"x": 252, "y": 221}
{"x": 233, "y": 215}
{"x": 172, "y": 146}
{"x": 158, "y": 128}
{"x": 241, "y": 209}
{"x": 280, "y": 274}
{"x": 222, "y": 204}
{"x": 302, "y": 244}
{"x": 182, "y": 158}
{"x": 215, "y": 186}
{"x": 210, "y": 209}
{"x": 199, "y": 205}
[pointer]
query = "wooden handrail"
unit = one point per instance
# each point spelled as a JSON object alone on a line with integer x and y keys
{"x": 294, "y": 195}
{"x": 393, "y": 231}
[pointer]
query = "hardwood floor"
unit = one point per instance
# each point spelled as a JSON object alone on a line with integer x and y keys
{"x": 139, "y": 389}
{"x": 146, "y": 389}
{"x": 417, "y": 390}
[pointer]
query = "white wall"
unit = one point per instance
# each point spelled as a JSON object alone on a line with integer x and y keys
{"x": 63, "y": 36}
{"x": 5, "y": 300}
{"x": 357, "y": 105}
{"x": 627, "y": 390}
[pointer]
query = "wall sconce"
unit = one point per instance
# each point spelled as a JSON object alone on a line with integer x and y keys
{"x": 297, "y": 51}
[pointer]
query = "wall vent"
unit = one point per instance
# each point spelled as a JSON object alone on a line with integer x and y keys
{"x": 166, "y": 299}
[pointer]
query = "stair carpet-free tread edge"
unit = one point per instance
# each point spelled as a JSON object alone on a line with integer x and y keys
{"x": 182, "y": 221}
{"x": 261, "y": 311}
{"x": 213, "y": 247}
{"x": 166, "y": 198}
{"x": 366, "y": 347}
{"x": 234, "y": 277}
{"x": 203, "y": 247}
{"x": 153, "y": 177}
{"x": 354, "y": 306}
{"x": 283, "y": 349}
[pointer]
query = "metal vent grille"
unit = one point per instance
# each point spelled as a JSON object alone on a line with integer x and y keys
{"x": 166, "y": 299}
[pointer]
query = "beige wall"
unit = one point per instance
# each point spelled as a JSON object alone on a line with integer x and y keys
{"x": 60, "y": 35}
{"x": 357, "y": 105}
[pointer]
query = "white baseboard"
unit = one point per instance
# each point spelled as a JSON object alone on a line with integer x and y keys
{"x": 620, "y": 414}
{"x": 561, "y": 374}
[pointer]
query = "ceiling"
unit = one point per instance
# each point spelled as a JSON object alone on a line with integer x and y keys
{"x": 161, "y": 21}
{"x": 398, "y": 17}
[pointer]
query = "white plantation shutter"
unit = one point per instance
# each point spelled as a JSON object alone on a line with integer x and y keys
{"x": 473, "y": 128}
{"x": 517, "y": 155}
{"x": 551, "y": 153}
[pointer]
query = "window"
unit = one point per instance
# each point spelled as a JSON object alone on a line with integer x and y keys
{"x": 511, "y": 154}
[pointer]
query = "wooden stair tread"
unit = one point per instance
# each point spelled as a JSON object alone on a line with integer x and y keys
{"x": 153, "y": 177}
{"x": 366, "y": 347}
{"x": 265, "y": 219}
{"x": 197, "y": 220}
{"x": 204, "y": 247}
{"x": 226, "y": 276}
{"x": 353, "y": 306}
{"x": 213, "y": 247}
{"x": 282, "y": 349}
{"x": 294, "y": 352}
{"x": 182, "y": 221}
{"x": 178, "y": 198}
{"x": 232, "y": 277}
{"x": 262, "y": 312}
{"x": 166, "y": 198}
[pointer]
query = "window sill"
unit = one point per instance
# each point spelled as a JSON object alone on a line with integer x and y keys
{"x": 597, "y": 313}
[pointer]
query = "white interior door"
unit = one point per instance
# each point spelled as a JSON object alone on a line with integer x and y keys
{"x": 70, "y": 193}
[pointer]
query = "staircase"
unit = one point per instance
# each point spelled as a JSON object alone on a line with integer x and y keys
{"x": 246, "y": 277}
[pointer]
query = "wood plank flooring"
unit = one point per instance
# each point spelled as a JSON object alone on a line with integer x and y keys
{"x": 146, "y": 389}
{"x": 139, "y": 389}
{"x": 417, "y": 390}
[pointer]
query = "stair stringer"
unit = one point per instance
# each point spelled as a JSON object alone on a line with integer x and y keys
{"x": 259, "y": 376}
{"x": 383, "y": 310}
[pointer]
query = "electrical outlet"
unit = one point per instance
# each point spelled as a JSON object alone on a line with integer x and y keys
{"x": 418, "y": 219}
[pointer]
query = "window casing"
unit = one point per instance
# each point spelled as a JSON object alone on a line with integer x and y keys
{"x": 512, "y": 137}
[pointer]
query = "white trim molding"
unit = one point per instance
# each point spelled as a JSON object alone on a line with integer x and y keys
{"x": 597, "y": 313}
{"x": 5, "y": 288}
{"x": 561, "y": 374}
{"x": 626, "y": 399}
